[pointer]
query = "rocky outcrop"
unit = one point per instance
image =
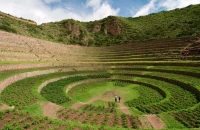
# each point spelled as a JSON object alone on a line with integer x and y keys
{"x": 112, "y": 28}
{"x": 191, "y": 49}
{"x": 109, "y": 25}
{"x": 97, "y": 28}
{"x": 73, "y": 27}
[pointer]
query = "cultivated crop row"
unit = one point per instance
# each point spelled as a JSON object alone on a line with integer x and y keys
{"x": 178, "y": 99}
{"x": 98, "y": 118}
{"x": 101, "y": 109}
{"x": 189, "y": 118}
{"x": 55, "y": 93}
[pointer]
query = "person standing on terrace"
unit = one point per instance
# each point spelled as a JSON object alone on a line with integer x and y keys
{"x": 115, "y": 98}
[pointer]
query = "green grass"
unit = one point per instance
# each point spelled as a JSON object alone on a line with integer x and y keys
{"x": 100, "y": 103}
{"x": 147, "y": 96}
{"x": 88, "y": 91}
{"x": 170, "y": 122}
{"x": 34, "y": 109}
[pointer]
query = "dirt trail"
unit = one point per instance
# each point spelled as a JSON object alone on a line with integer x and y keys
{"x": 123, "y": 108}
{"x": 5, "y": 107}
{"x": 21, "y": 76}
{"x": 155, "y": 121}
{"x": 50, "y": 109}
{"x": 104, "y": 97}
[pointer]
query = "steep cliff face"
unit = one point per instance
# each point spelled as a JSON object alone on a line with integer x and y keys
{"x": 108, "y": 25}
{"x": 77, "y": 32}
{"x": 113, "y": 28}
{"x": 73, "y": 27}
{"x": 97, "y": 28}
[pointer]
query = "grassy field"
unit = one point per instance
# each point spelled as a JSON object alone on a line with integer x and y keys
{"x": 85, "y": 92}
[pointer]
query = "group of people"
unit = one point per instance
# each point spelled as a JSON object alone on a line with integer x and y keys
{"x": 117, "y": 98}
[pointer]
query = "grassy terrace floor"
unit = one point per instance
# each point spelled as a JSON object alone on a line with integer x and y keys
{"x": 73, "y": 87}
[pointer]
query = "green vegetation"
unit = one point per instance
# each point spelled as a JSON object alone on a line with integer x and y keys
{"x": 177, "y": 23}
{"x": 85, "y": 92}
{"x": 19, "y": 121}
{"x": 151, "y": 96}
{"x": 55, "y": 93}
{"x": 151, "y": 77}
{"x": 179, "y": 97}
{"x": 189, "y": 118}
{"x": 171, "y": 122}
{"x": 19, "y": 94}
{"x": 34, "y": 109}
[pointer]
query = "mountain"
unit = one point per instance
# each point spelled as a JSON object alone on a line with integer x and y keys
{"x": 172, "y": 24}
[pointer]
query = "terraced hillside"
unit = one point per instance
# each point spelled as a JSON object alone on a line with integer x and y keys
{"x": 45, "y": 85}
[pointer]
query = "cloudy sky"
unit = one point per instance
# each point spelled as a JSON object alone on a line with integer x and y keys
{"x": 43, "y": 11}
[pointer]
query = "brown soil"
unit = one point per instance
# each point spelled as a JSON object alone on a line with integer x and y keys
{"x": 100, "y": 119}
{"x": 82, "y": 117}
{"x": 129, "y": 121}
{"x": 5, "y": 107}
{"x": 120, "y": 123}
{"x": 93, "y": 117}
{"x": 155, "y": 121}
{"x": 50, "y": 110}
{"x": 123, "y": 108}
{"x": 111, "y": 120}
{"x": 72, "y": 116}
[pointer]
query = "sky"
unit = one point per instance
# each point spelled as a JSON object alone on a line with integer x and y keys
{"x": 42, "y": 11}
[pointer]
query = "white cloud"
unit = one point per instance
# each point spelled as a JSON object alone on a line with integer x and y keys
{"x": 40, "y": 11}
{"x": 51, "y": 1}
{"x": 156, "y": 5}
{"x": 95, "y": 4}
{"x": 101, "y": 9}
{"x": 172, "y": 4}
{"x": 146, "y": 9}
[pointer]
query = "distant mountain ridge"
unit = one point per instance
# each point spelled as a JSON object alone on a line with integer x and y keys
{"x": 112, "y": 30}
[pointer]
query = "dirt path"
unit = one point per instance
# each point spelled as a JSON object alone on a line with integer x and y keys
{"x": 50, "y": 109}
{"x": 124, "y": 108}
{"x": 5, "y": 107}
{"x": 105, "y": 97}
{"x": 21, "y": 76}
{"x": 155, "y": 121}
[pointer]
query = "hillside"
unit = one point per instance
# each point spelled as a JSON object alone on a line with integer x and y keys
{"x": 46, "y": 85}
{"x": 177, "y": 23}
